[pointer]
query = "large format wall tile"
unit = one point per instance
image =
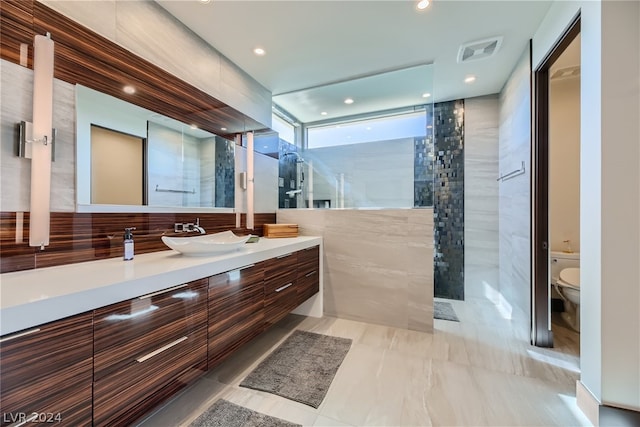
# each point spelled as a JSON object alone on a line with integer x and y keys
{"x": 481, "y": 252}
{"x": 378, "y": 264}
{"x": 515, "y": 193}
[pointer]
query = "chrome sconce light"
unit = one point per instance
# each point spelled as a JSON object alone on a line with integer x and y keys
{"x": 36, "y": 141}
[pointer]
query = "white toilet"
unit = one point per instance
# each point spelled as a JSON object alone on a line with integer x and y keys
{"x": 565, "y": 277}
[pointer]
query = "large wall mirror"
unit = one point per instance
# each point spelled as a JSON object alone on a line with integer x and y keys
{"x": 133, "y": 159}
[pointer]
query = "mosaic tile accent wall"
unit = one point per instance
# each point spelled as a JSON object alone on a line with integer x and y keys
{"x": 287, "y": 175}
{"x": 423, "y": 165}
{"x": 225, "y": 173}
{"x": 448, "y": 215}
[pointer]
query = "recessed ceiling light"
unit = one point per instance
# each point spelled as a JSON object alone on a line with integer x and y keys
{"x": 323, "y": 113}
{"x": 470, "y": 79}
{"x": 422, "y": 4}
{"x": 348, "y": 101}
{"x": 194, "y": 126}
{"x": 259, "y": 51}
{"x": 426, "y": 95}
{"x": 129, "y": 89}
{"x": 223, "y": 128}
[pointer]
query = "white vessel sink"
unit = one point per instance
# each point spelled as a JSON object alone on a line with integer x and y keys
{"x": 207, "y": 244}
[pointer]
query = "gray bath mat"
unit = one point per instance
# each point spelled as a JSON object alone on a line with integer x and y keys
{"x": 226, "y": 414}
{"x": 444, "y": 310}
{"x": 301, "y": 368}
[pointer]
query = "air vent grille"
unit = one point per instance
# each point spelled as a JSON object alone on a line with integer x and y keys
{"x": 479, "y": 49}
{"x": 566, "y": 72}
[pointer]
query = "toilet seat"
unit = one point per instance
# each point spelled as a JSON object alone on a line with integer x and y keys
{"x": 570, "y": 277}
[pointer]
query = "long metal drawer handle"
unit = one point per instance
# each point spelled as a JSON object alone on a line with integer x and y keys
{"x": 282, "y": 288}
{"x": 160, "y": 350}
{"x": 163, "y": 291}
{"x": 311, "y": 274}
{"x": 28, "y": 420}
{"x": 21, "y": 334}
{"x": 285, "y": 255}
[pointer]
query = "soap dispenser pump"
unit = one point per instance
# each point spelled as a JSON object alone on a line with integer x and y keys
{"x": 128, "y": 243}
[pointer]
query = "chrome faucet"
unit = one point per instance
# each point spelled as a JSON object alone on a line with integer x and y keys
{"x": 180, "y": 227}
{"x": 197, "y": 227}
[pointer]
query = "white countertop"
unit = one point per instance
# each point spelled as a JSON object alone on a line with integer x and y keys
{"x": 33, "y": 297}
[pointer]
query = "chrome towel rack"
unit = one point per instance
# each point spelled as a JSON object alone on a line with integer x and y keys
{"x": 164, "y": 190}
{"x": 512, "y": 173}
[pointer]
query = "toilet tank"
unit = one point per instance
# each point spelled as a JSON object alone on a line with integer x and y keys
{"x": 562, "y": 260}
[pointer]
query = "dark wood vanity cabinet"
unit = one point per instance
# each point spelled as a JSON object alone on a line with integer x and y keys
{"x": 236, "y": 310}
{"x": 46, "y": 373}
{"x": 147, "y": 348}
{"x": 280, "y": 291}
{"x": 308, "y": 280}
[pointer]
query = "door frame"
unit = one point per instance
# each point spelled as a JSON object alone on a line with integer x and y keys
{"x": 541, "y": 334}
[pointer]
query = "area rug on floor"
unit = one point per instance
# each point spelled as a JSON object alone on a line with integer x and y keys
{"x": 226, "y": 414}
{"x": 301, "y": 368}
{"x": 444, "y": 310}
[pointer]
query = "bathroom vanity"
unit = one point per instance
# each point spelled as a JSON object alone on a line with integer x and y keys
{"x": 104, "y": 342}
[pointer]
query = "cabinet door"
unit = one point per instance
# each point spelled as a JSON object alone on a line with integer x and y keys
{"x": 46, "y": 373}
{"x": 146, "y": 349}
{"x": 280, "y": 291}
{"x": 308, "y": 273}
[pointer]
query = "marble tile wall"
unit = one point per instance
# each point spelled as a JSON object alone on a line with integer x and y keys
{"x": 448, "y": 207}
{"x": 377, "y": 263}
{"x": 481, "y": 253}
{"x": 225, "y": 173}
{"x": 146, "y": 29}
{"x": 515, "y": 193}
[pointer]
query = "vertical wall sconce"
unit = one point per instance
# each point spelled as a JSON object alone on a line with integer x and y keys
{"x": 250, "y": 180}
{"x": 41, "y": 141}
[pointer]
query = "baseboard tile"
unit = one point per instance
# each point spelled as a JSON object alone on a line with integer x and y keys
{"x": 587, "y": 403}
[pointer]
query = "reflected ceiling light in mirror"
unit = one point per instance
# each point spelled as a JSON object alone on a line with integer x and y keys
{"x": 426, "y": 95}
{"x": 259, "y": 51}
{"x": 129, "y": 90}
{"x": 223, "y": 128}
{"x": 470, "y": 79}
{"x": 423, "y": 4}
{"x": 323, "y": 113}
{"x": 205, "y": 1}
{"x": 349, "y": 101}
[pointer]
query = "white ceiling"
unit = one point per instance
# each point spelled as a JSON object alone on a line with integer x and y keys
{"x": 316, "y": 43}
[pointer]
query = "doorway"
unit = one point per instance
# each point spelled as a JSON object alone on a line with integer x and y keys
{"x": 541, "y": 333}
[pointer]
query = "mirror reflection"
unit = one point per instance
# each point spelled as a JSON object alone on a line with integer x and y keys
{"x": 128, "y": 155}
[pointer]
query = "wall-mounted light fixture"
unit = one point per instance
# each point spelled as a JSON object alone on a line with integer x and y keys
{"x": 250, "y": 176}
{"x": 42, "y": 136}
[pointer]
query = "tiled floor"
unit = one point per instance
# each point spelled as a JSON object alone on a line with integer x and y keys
{"x": 478, "y": 372}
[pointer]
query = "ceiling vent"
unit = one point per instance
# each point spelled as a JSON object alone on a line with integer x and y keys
{"x": 479, "y": 49}
{"x": 566, "y": 72}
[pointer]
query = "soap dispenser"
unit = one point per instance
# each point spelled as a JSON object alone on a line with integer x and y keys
{"x": 128, "y": 243}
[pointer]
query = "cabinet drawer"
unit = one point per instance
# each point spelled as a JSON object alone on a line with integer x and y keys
{"x": 126, "y": 395}
{"x": 236, "y": 315}
{"x": 280, "y": 300}
{"x": 308, "y": 260}
{"x": 47, "y": 372}
{"x": 280, "y": 266}
{"x": 235, "y": 295}
{"x": 308, "y": 285}
{"x": 127, "y": 330}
